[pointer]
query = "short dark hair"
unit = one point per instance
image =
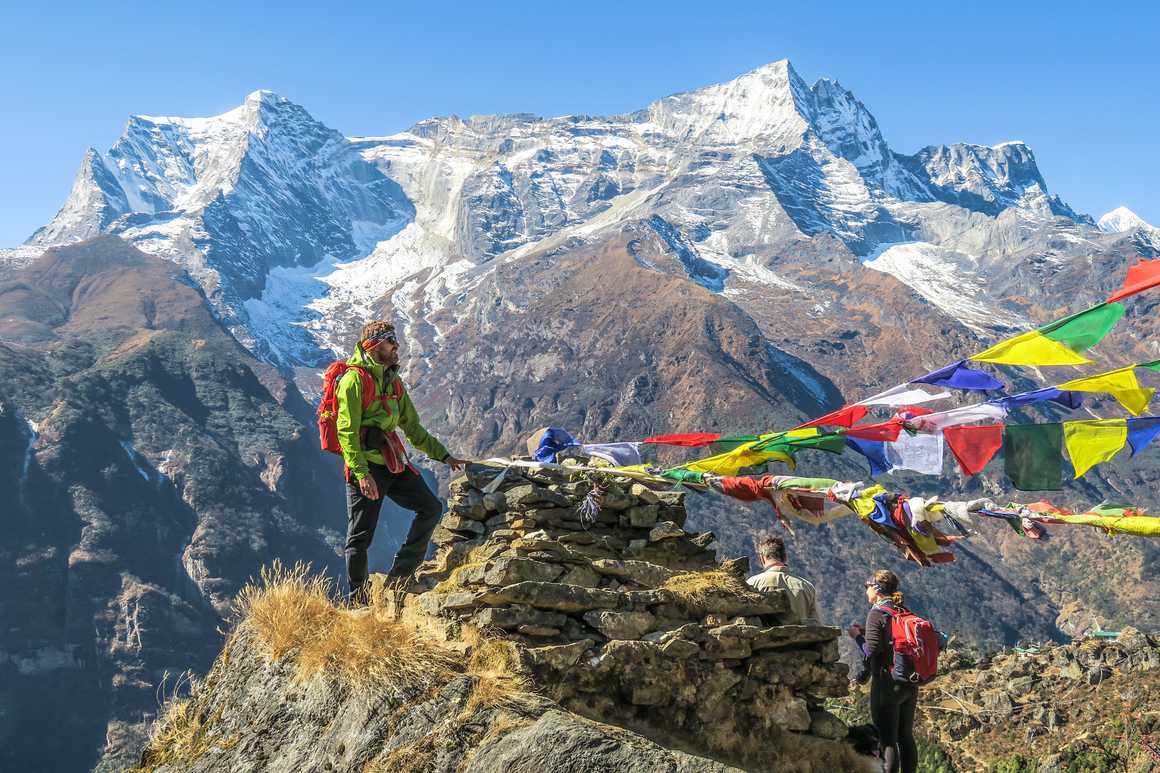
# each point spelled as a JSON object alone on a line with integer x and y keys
{"x": 375, "y": 328}
{"x": 771, "y": 548}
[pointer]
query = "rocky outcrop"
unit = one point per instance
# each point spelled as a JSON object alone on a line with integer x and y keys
{"x": 1085, "y": 705}
{"x": 258, "y": 717}
{"x": 628, "y": 647}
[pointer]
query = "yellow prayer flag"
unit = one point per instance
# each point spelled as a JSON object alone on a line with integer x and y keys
{"x": 1140, "y": 525}
{"x": 1093, "y": 442}
{"x": 1120, "y": 384}
{"x": 1031, "y": 348}
{"x": 730, "y": 462}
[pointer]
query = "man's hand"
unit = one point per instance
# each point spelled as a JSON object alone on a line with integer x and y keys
{"x": 454, "y": 463}
{"x": 855, "y": 630}
{"x": 368, "y": 487}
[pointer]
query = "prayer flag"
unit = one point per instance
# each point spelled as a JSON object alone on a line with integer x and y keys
{"x": 619, "y": 454}
{"x": 1120, "y": 384}
{"x": 875, "y": 453}
{"x": 1142, "y": 431}
{"x": 688, "y": 439}
{"x": 1153, "y": 365}
{"x": 959, "y": 376}
{"x": 1032, "y": 456}
{"x": 1093, "y": 442}
{"x": 1115, "y": 518}
{"x": 1058, "y": 343}
{"x": 921, "y": 453}
{"x": 845, "y": 416}
{"x": 957, "y": 416}
{"x": 1071, "y": 400}
{"x": 1141, "y": 276}
{"x": 886, "y": 430}
{"x": 900, "y": 395}
{"x": 739, "y": 458}
{"x": 973, "y": 447}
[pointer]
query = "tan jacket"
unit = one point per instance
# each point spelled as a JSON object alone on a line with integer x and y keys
{"x": 803, "y": 606}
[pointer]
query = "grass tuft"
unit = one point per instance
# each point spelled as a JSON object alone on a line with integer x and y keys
{"x": 294, "y": 615}
{"x": 500, "y": 676}
{"x": 698, "y": 587}
{"x": 180, "y": 736}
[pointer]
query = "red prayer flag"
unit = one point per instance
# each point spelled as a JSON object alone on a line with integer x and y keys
{"x": 973, "y": 447}
{"x": 846, "y": 416}
{"x": 689, "y": 439}
{"x": 886, "y": 431}
{"x": 1141, "y": 276}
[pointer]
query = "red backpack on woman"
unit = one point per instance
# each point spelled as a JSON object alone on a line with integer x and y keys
{"x": 916, "y": 646}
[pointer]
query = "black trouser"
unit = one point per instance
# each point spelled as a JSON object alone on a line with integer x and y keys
{"x": 892, "y": 706}
{"x": 406, "y": 489}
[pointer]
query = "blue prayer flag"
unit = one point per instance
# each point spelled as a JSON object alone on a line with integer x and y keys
{"x": 875, "y": 453}
{"x": 1141, "y": 432}
{"x": 958, "y": 376}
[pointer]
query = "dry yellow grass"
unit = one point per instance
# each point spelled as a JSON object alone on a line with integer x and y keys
{"x": 696, "y": 587}
{"x": 294, "y": 615}
{"x": 499, "y": 675}
{"x": 181, "y": 735}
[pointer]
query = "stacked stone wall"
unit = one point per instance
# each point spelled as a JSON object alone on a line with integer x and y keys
{"x": 711, "y": 664}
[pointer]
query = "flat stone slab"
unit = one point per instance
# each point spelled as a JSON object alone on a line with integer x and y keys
{"x": 794, "y": 636}
{"x": 554, "y": 596}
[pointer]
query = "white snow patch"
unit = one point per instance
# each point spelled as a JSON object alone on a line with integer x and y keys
{"x": 134, "y": 455}
{"x": 946, "y": 278}
{"x": 325, "y": 299}
{"x": 33, "y": 434}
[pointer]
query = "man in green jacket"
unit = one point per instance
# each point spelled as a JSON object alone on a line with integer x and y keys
{"x": 375, "y": 461}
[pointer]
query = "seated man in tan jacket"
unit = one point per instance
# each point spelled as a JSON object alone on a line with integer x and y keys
{"x": 803, "y": 606}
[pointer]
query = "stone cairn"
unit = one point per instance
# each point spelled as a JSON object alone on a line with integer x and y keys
{"x": 585, "y": 601}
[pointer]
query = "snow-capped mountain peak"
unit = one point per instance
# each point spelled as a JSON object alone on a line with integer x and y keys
{"x": 276, "y": 215}
{"x": 1122, "y": 219}
{"x": 769, "y": 103}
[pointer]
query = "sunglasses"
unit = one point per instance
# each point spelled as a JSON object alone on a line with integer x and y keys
{"x": 384, "y": 339}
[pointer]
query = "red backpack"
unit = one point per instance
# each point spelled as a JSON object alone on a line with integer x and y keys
{"x": 916, "y": 646}
{"x": 328, "y": 408}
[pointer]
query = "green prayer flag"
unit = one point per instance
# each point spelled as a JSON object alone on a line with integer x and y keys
{"x": 833, "y": 442}
{"x": 727, "y": 444}
{"x": 1033, "y": 456}
{"x": 683, "y": 476}
{"x": 1086, "y": 329}
{"x": 1153, "y": 365}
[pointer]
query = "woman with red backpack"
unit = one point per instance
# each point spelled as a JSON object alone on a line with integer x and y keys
{"x": 900, "y": 652}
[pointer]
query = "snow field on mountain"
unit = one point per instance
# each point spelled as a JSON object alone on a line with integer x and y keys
{"x": 947, "y": 279}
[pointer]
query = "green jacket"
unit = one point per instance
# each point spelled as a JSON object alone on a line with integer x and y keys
{"x": 351, "y": 419}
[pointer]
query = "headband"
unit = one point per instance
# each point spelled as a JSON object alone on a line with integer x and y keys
{"x": 375, "y": 340}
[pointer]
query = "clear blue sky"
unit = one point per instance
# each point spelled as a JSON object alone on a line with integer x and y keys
{"x": 1078, "y": 82}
